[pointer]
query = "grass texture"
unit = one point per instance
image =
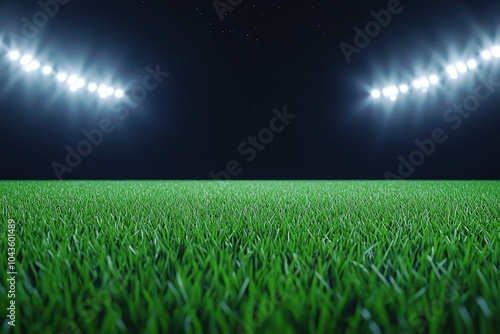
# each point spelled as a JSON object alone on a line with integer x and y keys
{"x": 253, "y": 256}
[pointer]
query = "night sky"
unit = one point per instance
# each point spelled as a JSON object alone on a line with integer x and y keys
{"x": 268, "y": 64}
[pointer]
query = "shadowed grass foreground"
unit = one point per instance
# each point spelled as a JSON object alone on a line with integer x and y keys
{"x": 273, "y": 257}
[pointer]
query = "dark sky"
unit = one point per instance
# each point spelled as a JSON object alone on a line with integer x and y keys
{"x": 226, "y": 78}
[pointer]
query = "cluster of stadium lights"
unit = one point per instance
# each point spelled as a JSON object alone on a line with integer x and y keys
{"x": 423, "y": 84}
{"x": 74, "y": 82}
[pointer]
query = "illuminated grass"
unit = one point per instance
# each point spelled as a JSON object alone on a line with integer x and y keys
{"x": 274, "y": 257}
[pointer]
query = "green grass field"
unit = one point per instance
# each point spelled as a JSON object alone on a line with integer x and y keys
{"x": 253, "y": 257}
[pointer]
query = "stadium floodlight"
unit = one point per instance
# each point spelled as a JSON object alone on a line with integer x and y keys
{"x": 486, "y": 55}
{"x": 32, "y": 66}
{"x": 47, "y": 70}
{"x": 386, "y": 91}
{"x": 35, "y": 65}
{"x": 29, "y": 63}
{"x": 119, "y": 94}
{"x": 61, "y": 77}
{"x": 471, "y": 64}
{"x": 102, "y": 89}
{"x": 394, "y": 90}
{"x": 424, "y": 82}
{"x": 26, "y": 59}
{"x": 14, "y": 55}
{"x": 80, "y": 83}
{"x": 495, "y": 51}
{"x": 374, "y": 93}
{"x": 461, "y": 67}
{"x": 72, "y": 80}
{"x": 434, "y": 79}
{"x": 452, "y": 72}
